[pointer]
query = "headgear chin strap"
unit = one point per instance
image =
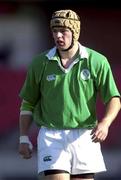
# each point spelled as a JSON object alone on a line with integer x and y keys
{"x": 68, "y": 19}
{"x": 72, "y": 43}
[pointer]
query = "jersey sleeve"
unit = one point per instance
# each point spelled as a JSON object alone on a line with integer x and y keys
{"x": 105, "y": 82}
{"x": 26, "y": 106}
{"x": 31, "y": 89}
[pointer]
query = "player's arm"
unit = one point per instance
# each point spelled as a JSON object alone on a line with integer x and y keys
{"x": 100, "y": 133}
{"x": 112, "y": 109}
{"x": 25, "y": 121}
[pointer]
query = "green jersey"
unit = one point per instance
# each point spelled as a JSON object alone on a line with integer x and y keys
{"x": 66, "y": 98}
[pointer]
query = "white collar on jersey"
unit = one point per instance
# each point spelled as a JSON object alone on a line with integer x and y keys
{"x": 82, "y": 51}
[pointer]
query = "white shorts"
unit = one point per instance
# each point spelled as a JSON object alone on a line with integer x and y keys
{"x": 69, "y": 150}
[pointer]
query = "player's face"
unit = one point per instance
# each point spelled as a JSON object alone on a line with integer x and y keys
{"x": 62, "y": 37}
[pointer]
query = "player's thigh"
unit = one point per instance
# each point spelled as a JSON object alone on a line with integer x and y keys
{"x": 80, "y": 179}
{"x": 87, "y": 176}
{"x": 62, "y": 176}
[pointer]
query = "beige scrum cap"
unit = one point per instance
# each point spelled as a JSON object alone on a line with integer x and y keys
{"x": 69, "y": 19}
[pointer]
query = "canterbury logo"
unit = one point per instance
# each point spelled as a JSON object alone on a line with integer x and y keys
{"x": 51, "y": 77}
{"x": 47, "y": 158}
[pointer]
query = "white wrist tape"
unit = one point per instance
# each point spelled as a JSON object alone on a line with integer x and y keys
{"x": 25, "y": 139}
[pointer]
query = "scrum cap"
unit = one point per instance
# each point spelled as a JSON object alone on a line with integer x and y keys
{"x": 67, "y": 18}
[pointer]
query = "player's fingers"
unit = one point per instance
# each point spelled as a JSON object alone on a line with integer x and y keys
{"x": 99, "y": 138}
{"x": 27, "y": 156}
{"x": 24, "y": 151}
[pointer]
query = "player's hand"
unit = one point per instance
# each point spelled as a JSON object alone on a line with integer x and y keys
{"x": 100, "y": 132}
{"x": 25, "y": 151}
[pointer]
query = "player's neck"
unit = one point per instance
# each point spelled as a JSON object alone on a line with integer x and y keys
{"x": 68, "y": 57}
{"x": 70, "y": 54}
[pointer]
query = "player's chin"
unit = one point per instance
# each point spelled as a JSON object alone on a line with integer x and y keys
{"x": 62, "y": 48}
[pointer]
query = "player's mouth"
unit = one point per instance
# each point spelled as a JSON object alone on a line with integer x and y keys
{"x": 60, "y": 43}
